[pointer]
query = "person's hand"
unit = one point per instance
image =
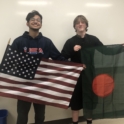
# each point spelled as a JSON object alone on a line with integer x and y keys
{"x": 77, "y": 47}
{"x": 84, "y": 66}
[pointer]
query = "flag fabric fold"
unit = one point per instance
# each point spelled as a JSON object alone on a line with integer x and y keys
{"x": 103, "y": 82}
{"x": 26, "y": 77}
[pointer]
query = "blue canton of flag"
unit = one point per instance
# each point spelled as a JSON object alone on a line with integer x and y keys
{"x": 19, "y": 64}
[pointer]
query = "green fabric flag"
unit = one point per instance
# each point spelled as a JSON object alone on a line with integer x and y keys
{"x": 103, "y": 82}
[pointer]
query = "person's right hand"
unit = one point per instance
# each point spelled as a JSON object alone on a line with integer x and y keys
{"x": 77, "y": 47}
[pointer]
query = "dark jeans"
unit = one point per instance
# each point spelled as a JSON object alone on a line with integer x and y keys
{"x": 23, "y": 108}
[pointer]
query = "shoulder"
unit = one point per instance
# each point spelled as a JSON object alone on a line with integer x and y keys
{"x": 91, "y": 36}
{"x": 94, "y": 39}
{"x": 22, "y": 37}
{"x": 18, "y": 40}
{"x": 71, "y": 40}
{"x": 46, "y": 39}
{"x": 16, "y": 43}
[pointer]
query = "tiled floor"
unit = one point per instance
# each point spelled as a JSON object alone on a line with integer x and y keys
{"x": 107, "y": 121}
{"x": 99, "y": 121}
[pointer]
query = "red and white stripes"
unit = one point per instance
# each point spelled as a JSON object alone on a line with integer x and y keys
{"x": 53, "y": 84}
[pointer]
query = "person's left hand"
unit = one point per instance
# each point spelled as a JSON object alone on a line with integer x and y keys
{"x": 84, "y": 66}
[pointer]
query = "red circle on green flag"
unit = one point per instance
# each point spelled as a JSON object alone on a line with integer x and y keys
{"x": 103, "y": 85}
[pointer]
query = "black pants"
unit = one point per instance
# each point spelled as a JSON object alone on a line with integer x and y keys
{"x": 23, "y": 108}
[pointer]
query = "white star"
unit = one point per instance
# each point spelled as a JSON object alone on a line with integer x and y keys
{"x": 11, "y": 52}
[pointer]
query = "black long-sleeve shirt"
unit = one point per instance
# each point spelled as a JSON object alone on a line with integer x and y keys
{"x": 86, "y": 42}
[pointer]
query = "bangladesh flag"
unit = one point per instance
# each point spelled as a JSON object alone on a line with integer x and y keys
{"x": 103, "y": 82}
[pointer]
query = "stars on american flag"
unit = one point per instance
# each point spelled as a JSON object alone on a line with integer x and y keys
{"x": 19, "y": 64}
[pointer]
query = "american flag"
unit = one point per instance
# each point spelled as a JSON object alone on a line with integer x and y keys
{"x": 47, "y": 81}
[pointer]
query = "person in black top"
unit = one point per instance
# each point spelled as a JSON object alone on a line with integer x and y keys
{"x": 71, "y": 50}
{"x": 33, "y": 42}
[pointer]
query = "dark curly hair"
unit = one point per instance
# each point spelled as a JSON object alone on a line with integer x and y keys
{"x": 32, "y": 14}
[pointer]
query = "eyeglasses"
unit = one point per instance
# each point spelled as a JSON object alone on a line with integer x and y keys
{"x": 33, "y": 20}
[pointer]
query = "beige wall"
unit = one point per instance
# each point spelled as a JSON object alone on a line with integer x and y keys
{"x": 106, "y": 21}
